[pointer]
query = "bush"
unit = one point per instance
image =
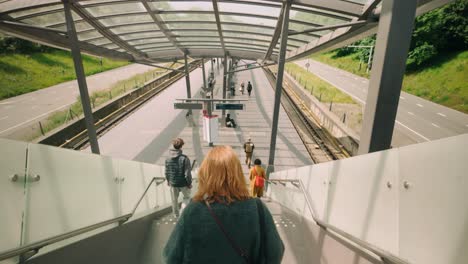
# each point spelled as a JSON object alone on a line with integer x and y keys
{"x": 420, "y": 55}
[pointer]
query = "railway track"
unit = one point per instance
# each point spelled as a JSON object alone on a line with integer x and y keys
{"x": 319, "y": 143}
{"x": 81, "y": 140}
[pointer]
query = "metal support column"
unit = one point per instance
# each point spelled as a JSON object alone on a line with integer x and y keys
{"x": 229, "y": 79}
{"x": 223, "y": 115}
{"x": 187, "y": 81}
{"x": 204, "y": 76}
{"x": 279, "y": 86}
{"x": 391, "y": 50}
{"x": 81, "y": 77}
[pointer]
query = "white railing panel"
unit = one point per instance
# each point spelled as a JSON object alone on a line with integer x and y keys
{"x": 434, "y": 207}
{"x": 316, "y": 182}
{"x": 12, "y": 161}
{"x": 359, "y": 200}
{"x": 75, "y": 190}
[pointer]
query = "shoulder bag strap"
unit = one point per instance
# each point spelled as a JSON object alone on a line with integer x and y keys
{"x": 261, "y": 217}
{"x": 239, "y": 250}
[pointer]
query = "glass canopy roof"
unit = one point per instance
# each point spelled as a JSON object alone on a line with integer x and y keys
{"x": 165, "y": 30}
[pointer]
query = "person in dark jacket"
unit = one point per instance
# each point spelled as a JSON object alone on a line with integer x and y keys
{"x": 249, "y": 88}
{"x": 230, "y": 122}
{"x": 178, "y": 175}
{"x": 222, "y": 194}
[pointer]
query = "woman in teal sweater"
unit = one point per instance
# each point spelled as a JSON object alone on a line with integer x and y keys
{"x": 250, "y": 233}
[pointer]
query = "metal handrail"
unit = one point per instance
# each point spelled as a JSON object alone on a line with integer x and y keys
{"x": 385, "y": 256}
{"x": 27, "y": 251}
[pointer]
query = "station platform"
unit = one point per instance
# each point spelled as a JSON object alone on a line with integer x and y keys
{"x": 146, "y": 135}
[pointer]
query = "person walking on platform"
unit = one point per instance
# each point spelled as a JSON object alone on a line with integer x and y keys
{"x": 249, "y": 88}
{"x": 257, "y": 179}
{"x": 248, "y": 148}
{"x": 178, "y": 175}
{"x": 223, "y": 224}
{"x": 241, "y": 89}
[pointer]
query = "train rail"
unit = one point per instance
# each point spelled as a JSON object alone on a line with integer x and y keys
{"x": 81, "y": 140}
{"x": 319, "y": 143}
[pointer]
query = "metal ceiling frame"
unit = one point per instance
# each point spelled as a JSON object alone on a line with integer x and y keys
{"x": 276, "y": 34}
{"x": 162, "y": 26}
{"x": 338, "y": 9}
{"x": 218, "y": 25}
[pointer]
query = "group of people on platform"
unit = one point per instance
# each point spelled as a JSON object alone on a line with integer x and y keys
{"x": 230, "y": 122}
{"x": 224, "y": 222}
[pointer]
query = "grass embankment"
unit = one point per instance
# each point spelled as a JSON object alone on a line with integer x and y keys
{"x": 443, "y": 81}
{"x": 22, "y": 73}
{"x": 318, "y": 87}
{"x": 98, "y": 98}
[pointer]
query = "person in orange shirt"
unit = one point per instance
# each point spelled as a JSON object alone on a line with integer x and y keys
{"x": 257, "y": 179}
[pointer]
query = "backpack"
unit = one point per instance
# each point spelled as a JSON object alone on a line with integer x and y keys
{"x": 259, "y": 181}
{"x": 248, "y": 147}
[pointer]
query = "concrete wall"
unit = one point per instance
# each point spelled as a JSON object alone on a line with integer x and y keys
{"x": 410, "y": 201}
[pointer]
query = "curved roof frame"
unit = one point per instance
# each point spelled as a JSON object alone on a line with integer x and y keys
{"x": 137, "y": 38}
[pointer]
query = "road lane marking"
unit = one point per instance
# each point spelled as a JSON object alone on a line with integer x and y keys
{"x": 435, "y": 125}
{"x": 420, "y": 105}
{"x": 441, "y": 114}
{"x": 5, "y": 103}
{"x": 3, "y": 118}
{"x": 423, "y": 137}
{"x": 362, "y": 102}
{"x": 401, "y": 97}
{"x": 34, "y": 118}
{"x": 411, "y": 113}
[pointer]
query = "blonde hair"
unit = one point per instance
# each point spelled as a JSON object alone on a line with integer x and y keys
{"x": 220, "y": 177}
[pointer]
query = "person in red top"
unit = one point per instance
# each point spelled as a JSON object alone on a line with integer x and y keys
{"x": 257, "y": 179}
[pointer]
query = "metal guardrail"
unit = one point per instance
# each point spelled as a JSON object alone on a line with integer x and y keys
{"x": 385, "y": 256}
{"x": 27, "y": 251}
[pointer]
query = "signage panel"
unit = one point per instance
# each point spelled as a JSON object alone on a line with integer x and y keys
{"x": 193, "y": 106}
{"x": 229, "y": 107}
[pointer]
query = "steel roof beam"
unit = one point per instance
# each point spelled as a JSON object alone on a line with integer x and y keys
{"x": 354, "y": 23}
{"x": 277, "y": 33}
{"x": 344, "y": 36}
{"x": 160, "y": 22}
{"x": 218, "y": 25}
{"x": 78, "y": 9}
{"x": 60, "y": 41}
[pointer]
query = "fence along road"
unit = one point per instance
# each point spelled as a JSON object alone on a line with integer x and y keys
{"x": 25, "y": 109}
{"x": 417, "y": 118}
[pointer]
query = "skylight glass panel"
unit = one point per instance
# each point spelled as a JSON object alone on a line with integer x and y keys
{"x": 182, "y": 32}
{"x": 123, "y": 20}
{"x": 100, "y": 41}
{"x": 141, "y": 35}
{"x": 116, "y": 8}
{"x": 33, "y": 11}
{"x": 147, "y": 41}
{"x": 110, "y": 46}
{"x": 247, "y": 36}
{"x": 46, "y": 20}
{"x": 248, "y": 9}
{"x": 89, "y": 35}
{"x": 189, "y": 25}
{"x": 249, "y": 20}
{"x": 134, "y": 28}
{"x": 300, "y": 27}
{"x": 182, "y": 5}
{"x": 154, "y": 45}
{"x": 188, "y": 17}
{"x": 314, "y": 18}
{"x": 248, "y": 28}
{"x": 182, "y": 39}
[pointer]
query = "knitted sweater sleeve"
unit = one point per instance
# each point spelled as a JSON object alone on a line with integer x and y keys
{"x": 174, "y": 250}
{"x": 274, "y": 245}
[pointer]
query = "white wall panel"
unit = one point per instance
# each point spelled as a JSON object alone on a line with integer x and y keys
{"x": 359, "y": 200}
{"x": 434, "y": 209}
{"x": 12, "y": 161}
{"x": 75, "y": 190}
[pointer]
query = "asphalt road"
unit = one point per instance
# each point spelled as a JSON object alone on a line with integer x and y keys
{"x": 19, "y": 111}
{"x": 418, "y": 120}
